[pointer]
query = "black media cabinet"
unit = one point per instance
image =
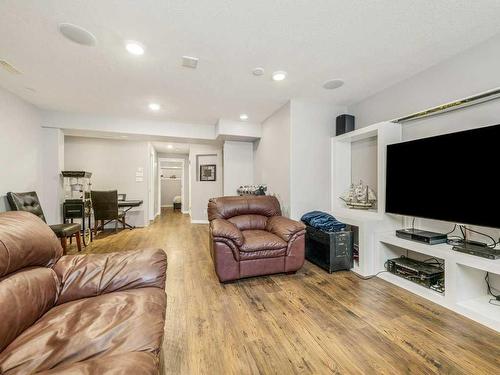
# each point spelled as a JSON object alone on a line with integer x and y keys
{"x": 331, "y": 251}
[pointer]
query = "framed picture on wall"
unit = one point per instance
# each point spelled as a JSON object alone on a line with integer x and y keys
{"x": 207, "y": 172}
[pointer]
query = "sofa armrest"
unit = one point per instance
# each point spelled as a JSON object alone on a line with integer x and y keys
{"x": 226, "y": 229}
{"x": 90, "y": 275}
{"x": 283, "y": 227}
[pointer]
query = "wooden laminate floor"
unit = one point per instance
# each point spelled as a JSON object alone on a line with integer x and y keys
{"x": 308, "y": 323}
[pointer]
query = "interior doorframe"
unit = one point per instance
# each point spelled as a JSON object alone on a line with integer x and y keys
{"x": 176, "y": 160}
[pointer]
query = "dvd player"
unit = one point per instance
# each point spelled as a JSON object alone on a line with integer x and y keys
{"x": 481, "y": 251}
{"x": 429, "y": 238}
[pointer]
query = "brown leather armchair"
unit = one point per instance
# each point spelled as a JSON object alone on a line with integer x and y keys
{"x": 76, "y": 314}
{"x": 249, "y": 237}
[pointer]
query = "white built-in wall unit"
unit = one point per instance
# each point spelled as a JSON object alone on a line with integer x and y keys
{"x": 465, "y": 286}
{"x": 367, "y": 222}
{"x": 468, "y": 73}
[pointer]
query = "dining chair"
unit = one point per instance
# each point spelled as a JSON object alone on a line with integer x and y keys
{"x": 29, "y": 202}
{"x": 105, "y": 207}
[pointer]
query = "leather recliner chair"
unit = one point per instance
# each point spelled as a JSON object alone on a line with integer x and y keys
{"x": 249, "y": 237}
{"x": 76, "y": 314}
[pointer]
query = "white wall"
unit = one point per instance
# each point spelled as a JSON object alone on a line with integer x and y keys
{"x": 473, "y": 71}
{"x": 202, "y": 191}
{"x": 20, "y": 148}
{"x": 113, "y": 165}
{"x": 112, "y": 124}
{"x": 272, "y": 157}
{"x": 238, "y": 165}
{"x": 312, "y": 125}
{"x": 52, "y": 157}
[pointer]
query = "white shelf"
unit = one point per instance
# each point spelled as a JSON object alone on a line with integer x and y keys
{"x": 415, "y": 288}
{"x": 464, "y": 278}
{"x": 443, "y": 251}
{"x": 481, "y": 309}
{"x": 360, "y": 134}
{"x": 439, "y": 251}
{"x": 354, "y": 214}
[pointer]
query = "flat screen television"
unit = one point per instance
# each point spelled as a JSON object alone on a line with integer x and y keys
{"x": 451, "y": 177}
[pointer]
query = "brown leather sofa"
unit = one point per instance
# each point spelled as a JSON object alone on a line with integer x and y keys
{"x": 249, "y": 237}
{"x": 76, "y": 314}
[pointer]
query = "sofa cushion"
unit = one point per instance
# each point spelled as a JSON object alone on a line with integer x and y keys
{"x": 257, "y": 240}
{"x": 24, "y": 297}
{"x": 90, "y": 328}
{"x": 26, "y": 241}
{"x": 228, "y": 207}
{"x": 248, "y": 222}
{"x": 137, "y": 363}
{"x": 259, "y": 254}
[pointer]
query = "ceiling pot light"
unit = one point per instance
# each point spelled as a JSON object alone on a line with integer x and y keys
{"x": 77, "y": 34}
{"x": 170, "y": 146}
{"x": 154, "y": 106}
{"x": 333, "y": 84}
{"x": 280, "y": 75}
{"x": 134, "y": 48}
{"x": 258, "y": 72}
{"x": 243, "y": 117}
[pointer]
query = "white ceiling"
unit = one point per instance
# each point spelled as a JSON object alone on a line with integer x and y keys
{"x": 369, "y": 44}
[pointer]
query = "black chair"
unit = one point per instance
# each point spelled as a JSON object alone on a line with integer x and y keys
{"x": 29, "y": 202}
{"x": 105, "y": 206}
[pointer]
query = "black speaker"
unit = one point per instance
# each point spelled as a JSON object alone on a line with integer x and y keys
{"x": 345, "y": 124}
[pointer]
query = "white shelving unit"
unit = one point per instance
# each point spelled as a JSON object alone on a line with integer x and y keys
{"x": 465, "y": 287}
{"x": 368, "y": 222}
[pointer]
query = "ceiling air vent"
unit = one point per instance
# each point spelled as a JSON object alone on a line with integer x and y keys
{"x": 4, "y": 64}
{"x": 190, "y": 62}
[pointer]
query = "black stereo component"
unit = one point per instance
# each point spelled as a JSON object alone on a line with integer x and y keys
{"x": 430, "y": 238}
{"x": 478, "y": 250}
{"x": 428, "y": 275}
{"x": 344, "y": 124}
{"x": 331, "y": 251}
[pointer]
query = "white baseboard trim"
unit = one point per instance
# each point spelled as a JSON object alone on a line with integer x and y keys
{"x": 199, "y": 221}
{"x": 185, "y": 212}
{"x": 168, "y": 205}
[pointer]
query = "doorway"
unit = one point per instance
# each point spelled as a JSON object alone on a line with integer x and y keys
{"x": 171, "y": 173}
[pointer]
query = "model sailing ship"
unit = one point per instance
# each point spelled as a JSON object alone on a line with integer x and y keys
{"x": 360, "y": 196}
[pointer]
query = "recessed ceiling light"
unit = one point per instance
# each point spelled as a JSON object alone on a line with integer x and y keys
{"x": 8, "y": 67}
{"x": 77, "y": 34}
{"x": 154, "y": 106}
{"x": 280, "y": 75}
{"x": 135, "y": 48}
{"x": 333, "y": 84}
{"x": 170, "y": 146}
{"x": 243, "y": 117}
{"x": 190, "y": 62}
{"x": 258, "y": 72}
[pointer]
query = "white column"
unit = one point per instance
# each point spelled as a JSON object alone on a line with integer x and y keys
{"x": 52, "y": 162}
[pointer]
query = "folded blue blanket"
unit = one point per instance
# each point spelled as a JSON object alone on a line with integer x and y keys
{"x": 322, "y": 221}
